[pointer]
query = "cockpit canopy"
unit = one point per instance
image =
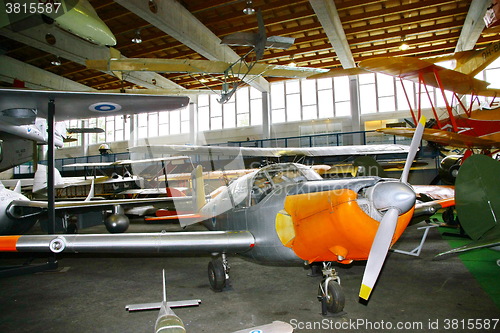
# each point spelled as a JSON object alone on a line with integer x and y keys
{"x": 252, "y": 188}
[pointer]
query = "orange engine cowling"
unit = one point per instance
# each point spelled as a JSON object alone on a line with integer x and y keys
{"x": 330, "y": 226}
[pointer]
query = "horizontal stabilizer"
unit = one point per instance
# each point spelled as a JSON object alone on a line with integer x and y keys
{"x": 156, "y": 306}
{"x": 85, "y": 130}
{"x": 490, "y": 239}
{"x": 248, "y": 39}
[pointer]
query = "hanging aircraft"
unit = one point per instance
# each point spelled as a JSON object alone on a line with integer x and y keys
{"x": 59, "y": 106}
{"x": 23, "y": 123}
{"x": 283, "y": 213}
{"x": 75, "y": 16}
{"x": 233, "y": 73}
{"x": 21, "y": 107}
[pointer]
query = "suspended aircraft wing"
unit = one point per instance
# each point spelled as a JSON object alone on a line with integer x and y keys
{"x": 272, "y": 152}
{"x": 199, "y": 66}
{"x": 122, "y": 162}
{"x": 413, "y": 69}
{"x": 444, "y": 137}
{"x": 78, "y": 105}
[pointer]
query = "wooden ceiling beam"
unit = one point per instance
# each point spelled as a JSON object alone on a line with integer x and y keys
{"x": 330, "y": 21}
{"x": 405, "y": 21}
{"x": 473, "y": 26}
{"x": 401, "y": 9}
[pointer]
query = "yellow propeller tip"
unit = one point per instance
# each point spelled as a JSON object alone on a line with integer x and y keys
{"x": 422, "y": 120}
{"x": 365, "y": 292}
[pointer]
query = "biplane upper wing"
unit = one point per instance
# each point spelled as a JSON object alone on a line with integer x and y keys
{"x": 273, "y": 152}
{"x": 415, "y": 69}
{"x": 445, "y": 138}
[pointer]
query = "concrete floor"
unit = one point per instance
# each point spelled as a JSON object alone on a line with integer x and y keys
{"x": 91, "y": 295}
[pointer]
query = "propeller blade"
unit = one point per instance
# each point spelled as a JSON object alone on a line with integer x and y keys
{"x": 415, "y": 143}
{"x": 378, "y": 252}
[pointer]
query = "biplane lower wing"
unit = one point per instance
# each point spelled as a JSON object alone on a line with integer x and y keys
{"x": 272, "y": 152}
{"x": 445, "y": 138}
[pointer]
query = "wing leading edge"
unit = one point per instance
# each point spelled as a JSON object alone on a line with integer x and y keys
{"x": 163, "y": 242}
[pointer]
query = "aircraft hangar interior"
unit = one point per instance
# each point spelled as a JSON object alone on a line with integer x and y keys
{"x": 250, "y": 166}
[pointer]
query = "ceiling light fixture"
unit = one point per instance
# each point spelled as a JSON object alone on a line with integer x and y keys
{"x": 249, "y": 10}
{"x": 137, "y": 37}
{"x": 292, "y": 63}
{"x": 56, "y": 61}
{"x": 404, "y": 46}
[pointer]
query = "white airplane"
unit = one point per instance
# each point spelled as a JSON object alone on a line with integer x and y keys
{"x": 35, "y": 128}
{"x": 21, "y": 107}
{"x": 75, "y": 16}
{"x": 18, "y": 214}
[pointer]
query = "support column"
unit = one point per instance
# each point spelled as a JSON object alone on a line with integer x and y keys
{"x": 266, "y": 116}
{"x": 133, "y": 130}
{"x": 51, "y": 212}
{"x": 85, "y": 138}
{"x": 357, "y": 139}
{"x": 193, "y": 122}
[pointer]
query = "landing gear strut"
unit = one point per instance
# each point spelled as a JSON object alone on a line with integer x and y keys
{"x": 330, "y": 293}
{"x": 218, "y": 272}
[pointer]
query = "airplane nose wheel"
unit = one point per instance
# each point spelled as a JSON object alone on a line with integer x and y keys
{"x": 330, "y": 293}
{"x": 218, "y": 272}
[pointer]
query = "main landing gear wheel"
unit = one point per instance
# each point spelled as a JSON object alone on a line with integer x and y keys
{"x": 334, "y": 298}
{"x": 218, "y": 273}
{"x": 330, "y": 292}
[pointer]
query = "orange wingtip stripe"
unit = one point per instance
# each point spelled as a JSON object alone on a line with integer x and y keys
{"x": 8, "y": 243}
{"x": 446, "y": 202}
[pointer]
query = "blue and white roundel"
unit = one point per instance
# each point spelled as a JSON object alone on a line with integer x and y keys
{"x": 105, "y": 107}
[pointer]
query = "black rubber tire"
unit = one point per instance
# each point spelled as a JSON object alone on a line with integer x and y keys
{"x": 449, "y": 216}
{"x": 216, "y": 275}
{"x": 335, "y": 297}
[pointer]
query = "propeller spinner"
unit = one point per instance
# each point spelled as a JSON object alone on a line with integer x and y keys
{"x": 394, "y": 198}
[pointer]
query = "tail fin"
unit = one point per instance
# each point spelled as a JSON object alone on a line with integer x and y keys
{"x": 91, "y": 192}
{"x": 198, "y": 188}
{"x": 17, "y": 189}
{"x": 164, "y": 287}
{"x": 40, "y": 179}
